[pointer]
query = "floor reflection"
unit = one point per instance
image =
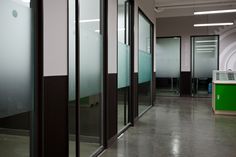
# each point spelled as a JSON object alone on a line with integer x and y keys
{"x": 178, "y": 127}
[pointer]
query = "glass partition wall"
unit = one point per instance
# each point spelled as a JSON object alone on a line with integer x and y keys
{"x": 16, "y": 78}
{"x": 86, "y": 72}
{"x": 168, "y": 66}
{"x": 205, "y": 58}
{"x": 145, "y": 64}
{"x": 124, "y": 62}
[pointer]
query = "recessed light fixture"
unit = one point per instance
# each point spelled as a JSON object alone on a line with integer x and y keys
{"x": 88, "y": 21}
{"x": 215, "y": 12}
{"x": 213, "y": 24}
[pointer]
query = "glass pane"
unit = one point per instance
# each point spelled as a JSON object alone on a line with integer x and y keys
{"x": 123, "y": 63}
{"x": 145, "y": 64}
{"x": 17, "y": 77}
{"x": 205, "y": 60}
{"x": 168, "y": 66}
{"x": 72, "y": 81}
{"x": 91, "y": 65}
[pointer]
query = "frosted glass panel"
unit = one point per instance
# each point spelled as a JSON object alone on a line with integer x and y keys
{"x": 90, "y": 76}
{"x": 145, "y": 67}
{"x": 168, "y": 58}
{"x": 90, "y": 63}
{"x": 144, "y": 63}
{"x": 144, "y": 35}
{"x": 123, "y": 65}
{"x": 121, "y": 22}
{"x": 16, "y": 75}
{"x": 72, "y": 53}
{"x": 205, "y": 56}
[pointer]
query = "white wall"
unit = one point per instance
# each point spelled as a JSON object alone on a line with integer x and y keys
{"x": 112, "y": 36}
{"x": 55, "y": 37}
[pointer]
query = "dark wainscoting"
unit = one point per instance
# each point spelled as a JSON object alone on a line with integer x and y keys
{"x": 153, "y": 87}
{"x": 55, "y": 117}
{"x": 135, "y": 95}
{"x": 111, "y": 108}
{"x": 185, "y": 84}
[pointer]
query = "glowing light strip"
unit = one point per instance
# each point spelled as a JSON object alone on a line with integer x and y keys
{"x": 215, "y": 12}
{"x": 213, "y": 24}
{"x": 206, "y": 41}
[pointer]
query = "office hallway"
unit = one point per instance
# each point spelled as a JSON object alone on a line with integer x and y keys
{"x": 178, "y": 127}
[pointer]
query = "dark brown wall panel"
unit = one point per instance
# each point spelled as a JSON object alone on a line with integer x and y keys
{"x": 185, "y": 84}
{"x": 135, "y": 95}
{"x": 111, "y": 106}
{"x": 153, "y": 86}
{"x": 55, "y": 116}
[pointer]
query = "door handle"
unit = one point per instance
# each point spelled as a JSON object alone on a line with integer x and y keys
{"x": 218, "y": 97}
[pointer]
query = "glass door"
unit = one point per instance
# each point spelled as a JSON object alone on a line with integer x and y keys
{"x": 86, "y": 73}
{"x": 168, "y": 66}
{"x": 17, "y": 78}
{"x": 204, "y": 61}
{"x": 124, "y": 62}
{"x": 145, "y": 63}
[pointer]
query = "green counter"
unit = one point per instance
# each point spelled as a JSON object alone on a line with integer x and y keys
{"x": 224, "y": 96}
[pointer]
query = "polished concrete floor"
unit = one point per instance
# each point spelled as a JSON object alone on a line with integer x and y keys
{"x": 178, "y": 127}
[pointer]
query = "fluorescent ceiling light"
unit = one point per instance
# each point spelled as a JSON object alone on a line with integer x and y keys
{"x": 206, "y": 46}
{"x": 209, "y": 49}
{"x": 215, "y": 12}
{"x": 213, "y": 24}
{"x": 204, "y": 51}
{"x": 206, "y": 41}
{"x": 88, "y": 21}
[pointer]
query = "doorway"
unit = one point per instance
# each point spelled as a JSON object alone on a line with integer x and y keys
{"x": 85, "y": 103}
{"x": 124, "y": 64}
{"x": 205, "y": 59}
{"x": 145, "y": 63}
{"x": 168, "y": 66}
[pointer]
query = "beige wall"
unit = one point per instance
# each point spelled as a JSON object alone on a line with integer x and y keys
{"x": 183, "y": 26}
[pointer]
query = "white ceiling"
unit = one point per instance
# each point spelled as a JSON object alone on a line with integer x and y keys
{"x": 173, "y": 8}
